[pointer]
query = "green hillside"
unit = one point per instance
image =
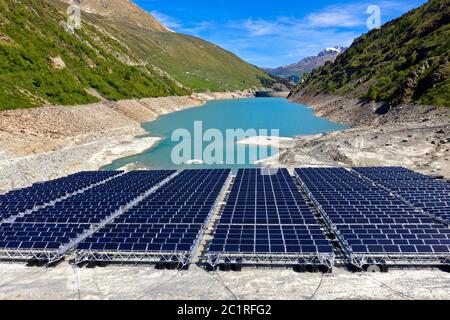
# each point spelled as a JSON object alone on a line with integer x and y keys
{"x": 407, "y": 60}
{"x": 118, "y": 60}
{"x": 196, "y": 63}
{"x": 32, "y": 34}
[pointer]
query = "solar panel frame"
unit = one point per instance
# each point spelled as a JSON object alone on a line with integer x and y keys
{"x": 24, "y": 201}
{"x": 25, "y": 246}
{"x": 270, "y": 205}
{"x": 204, "y": 189}
{"x": 383, "y": 241}
{"x": 427, "y": 194}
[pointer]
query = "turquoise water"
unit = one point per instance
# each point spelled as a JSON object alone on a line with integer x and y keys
{"x": 258, "y": 113}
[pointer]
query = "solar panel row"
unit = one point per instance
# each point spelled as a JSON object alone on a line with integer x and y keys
{"x": 368, "y": 219}
{"x": 20, "y": 201}
{"x": 430, "y": 195}
{"x": 278, "y": 239}
{"x": 57, "y": 226}
{"x": 265, "y": 214}
{"x": 167, "y": 223}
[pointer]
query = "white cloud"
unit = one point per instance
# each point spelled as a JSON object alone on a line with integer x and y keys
{"x": 287, "y": 39}
{"x": 174, "y": 24}
{"x": 354, "y": 14}
{"x": 166, "y": 20}
{"x": 335, "y": 17}
{"x": 258, "y": 28}
{"x": 197, "y": 28}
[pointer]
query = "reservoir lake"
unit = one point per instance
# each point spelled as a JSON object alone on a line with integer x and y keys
{"x": 291, "y": 119}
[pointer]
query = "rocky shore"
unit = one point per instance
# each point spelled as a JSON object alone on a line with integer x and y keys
{"x": 413, "y": 136}
{"x": 52, "y": 141}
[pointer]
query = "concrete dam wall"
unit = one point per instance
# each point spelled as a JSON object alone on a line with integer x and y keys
{"x": 272, "y": 94}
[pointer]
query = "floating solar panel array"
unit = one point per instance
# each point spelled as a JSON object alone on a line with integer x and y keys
{"x": 24, "y": 200}
{"x": 373, "y": 226}
{"x": 379, "y": 215}
{"x": 430, "y": 195}
{"x": 50, "y": 232}
{"x": 166, "y": 226}
{"x": 266, "y": 220}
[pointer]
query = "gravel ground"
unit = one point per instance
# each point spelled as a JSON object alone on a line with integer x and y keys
{"x": 144, "y": 283}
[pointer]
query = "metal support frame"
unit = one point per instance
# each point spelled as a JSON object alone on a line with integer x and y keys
{"x": 208, "y": 220}
{"x": 327, "y": 260}
{"x": 183, "y": 258}
{"x": 270, "y": 259}
{"x": 132, "y": 257}
{"x": 339, "y": 258}
{"x": 360, "y": 260}
{"x": 55, "y": 201}
{"x": 51, "y": 256}
{"x": 405, "y": 259}
{"x": 412, "y": 260}
{"x": 87, "y": 255}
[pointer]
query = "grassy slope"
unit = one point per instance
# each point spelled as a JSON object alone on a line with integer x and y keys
{"x": 28, "y": 78}
{"x": 407, "y": 60}
{"x": 196, "y": 63}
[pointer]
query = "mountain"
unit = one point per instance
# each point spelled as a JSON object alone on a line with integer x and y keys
{"x": 122, "y": 11}
{"x": 119, "y": 52}
{"x": 295, "y": 71}
{"x": 406, "y": 61}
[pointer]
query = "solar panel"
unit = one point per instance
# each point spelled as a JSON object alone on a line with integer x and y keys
{"x": 39, "y": 194}
{"x": 166, "y": 225}
{"x": 368, "y": 219}
{"x": 265, "y": 214}
{"x": 61, "y": 224}
{"x": 430, "y": 195}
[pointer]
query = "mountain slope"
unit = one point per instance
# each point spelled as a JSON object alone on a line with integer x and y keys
{"x": 406, "y": 61}
{"x": 43, "y": 62}
{"x": 295, "y": 71}
{"x": 196, "y": 63}
{"x": 122, "y": 11}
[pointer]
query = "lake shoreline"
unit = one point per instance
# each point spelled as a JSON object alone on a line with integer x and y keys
{"x": 45, "y": 143}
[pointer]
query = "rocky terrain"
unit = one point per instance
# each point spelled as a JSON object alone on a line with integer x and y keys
{"x": 359, "y": 112}
{"x": 124, "y": 11}
{"x": 413, "y": 136}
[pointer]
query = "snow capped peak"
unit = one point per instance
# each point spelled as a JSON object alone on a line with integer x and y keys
{"x": 332, "y": 50}
{"x": 337, "y": 49}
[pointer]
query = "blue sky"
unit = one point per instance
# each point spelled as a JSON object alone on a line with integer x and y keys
{"x": 273, "y": 33}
